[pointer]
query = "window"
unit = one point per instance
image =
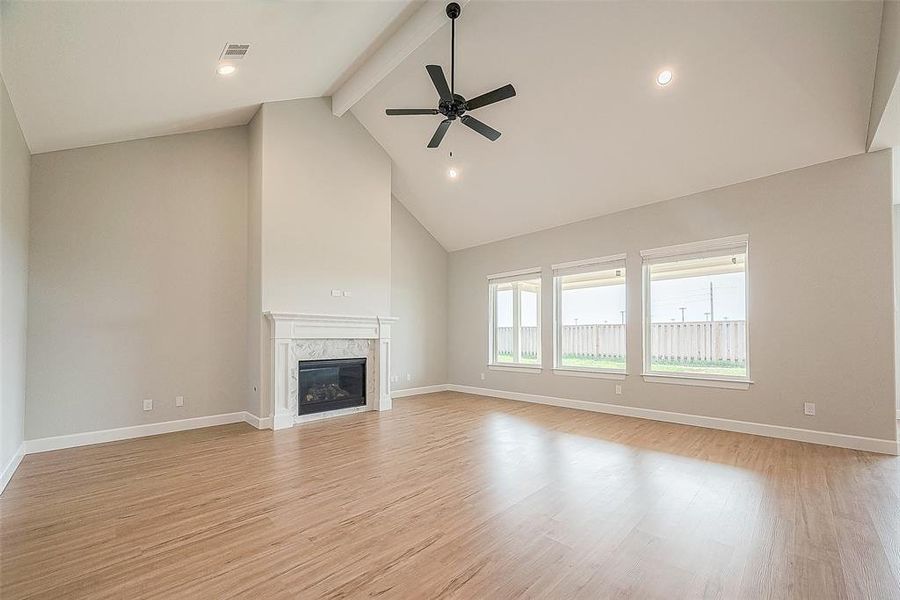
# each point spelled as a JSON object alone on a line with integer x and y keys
{"x": 590, "y": 315}
{"x": 515, "y": 307}
{"x": 695, "y": 311}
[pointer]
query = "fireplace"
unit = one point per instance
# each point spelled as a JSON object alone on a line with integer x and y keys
{"x": 331, "y": 384}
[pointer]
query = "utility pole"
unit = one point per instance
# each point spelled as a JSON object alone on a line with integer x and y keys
{"x": 682, "y": 309}
{"x": 623, "y": 316}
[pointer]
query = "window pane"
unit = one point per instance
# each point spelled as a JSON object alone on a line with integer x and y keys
{"x": 503, "y": 334}
{"x": 592, "y": 320}
{"x": 529, "y": 334}
{"x": 698, "y": 316}
{"x": 515, "y": 322}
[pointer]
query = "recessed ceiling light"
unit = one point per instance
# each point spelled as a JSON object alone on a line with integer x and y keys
{"x": 452, "y": 173}
{"x": 664, "y": 77}
{"x": 226, "y": 69}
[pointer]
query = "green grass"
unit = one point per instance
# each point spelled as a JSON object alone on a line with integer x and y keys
{"x": 594, "y": 363}
{"x": 699, "y": 367}
{"x": 526, "y": 360}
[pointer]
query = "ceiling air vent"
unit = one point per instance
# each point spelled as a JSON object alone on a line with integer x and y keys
{"x": 234, "y": 51}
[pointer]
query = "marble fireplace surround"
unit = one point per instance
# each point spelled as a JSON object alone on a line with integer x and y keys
{"x": 303, "y": 336}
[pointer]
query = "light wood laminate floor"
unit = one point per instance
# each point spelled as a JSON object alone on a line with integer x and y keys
{"x": 453, "y": 496}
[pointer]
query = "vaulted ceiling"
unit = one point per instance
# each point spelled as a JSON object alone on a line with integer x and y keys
{"x": 84, "y": 73}
{"x": 759, "y": 88}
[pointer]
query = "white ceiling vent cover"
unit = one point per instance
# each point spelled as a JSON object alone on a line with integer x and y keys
{"x": 234, "y": 51}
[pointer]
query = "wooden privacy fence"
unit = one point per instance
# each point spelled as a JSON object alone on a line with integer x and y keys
{"x": 529, "y": 341}
{"x": 700, "y": 341}
{"x": 688, "y": 341}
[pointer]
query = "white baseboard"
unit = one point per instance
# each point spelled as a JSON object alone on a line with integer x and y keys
{"x": 124, "y": 433}
{"x": 11, "y": 465}
{"x": 428, "y": 389}
{"x": 258, "y": 422}
{"x": 776, "y": 431}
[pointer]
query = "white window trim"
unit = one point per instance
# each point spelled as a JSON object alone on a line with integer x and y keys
{"x": 681, "y": 251}
{"x": 558, "y": 368}
{"x": 589, "y": 262}
{"x": 729, "y": 383}
{"x": 589, "y": 373}
{"x": 518, "y": 275}
{"x": 516, "y": 368}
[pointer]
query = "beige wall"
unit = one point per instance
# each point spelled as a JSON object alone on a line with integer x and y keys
{"x": 14, "y": 178}
{"x": 320, "y": 216}
{"x": 326, "y": 212}
{"x": 419, "y": 299}
{"x": 138, "y": 282}
{"x": 887, "y": 69}
{"x": 896, "y": 232}
{"x": 256, "y": 325}
{"x": 820, "y": 241}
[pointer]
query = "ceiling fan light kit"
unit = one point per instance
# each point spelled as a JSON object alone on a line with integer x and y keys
{"x": 452, "y": 105}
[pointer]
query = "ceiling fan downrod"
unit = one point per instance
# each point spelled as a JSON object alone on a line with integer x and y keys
{"x": 452, "y": 105}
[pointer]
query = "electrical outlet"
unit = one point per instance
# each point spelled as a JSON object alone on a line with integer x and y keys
{"x": 335, "y": 293}
{"x": 148, "y": 404}
{"x": 482, "y": 376}
{"x": 619, "y": 389}
{"x": 179, "y": 400}
{"x": 809, "y": 409}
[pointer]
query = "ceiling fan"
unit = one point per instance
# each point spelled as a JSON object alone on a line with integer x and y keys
{"x": 452, "y": 105}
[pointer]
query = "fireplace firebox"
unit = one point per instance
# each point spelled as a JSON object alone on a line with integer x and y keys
{"x": 331, "y": 384}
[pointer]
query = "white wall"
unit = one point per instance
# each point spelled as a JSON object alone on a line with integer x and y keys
{"x": 419, "y": 299}
{"x": 821, "y": 298}
{"x": 138, "y": 282}
{"x": 14, "y": 179}
{"x": 320, "y": 215}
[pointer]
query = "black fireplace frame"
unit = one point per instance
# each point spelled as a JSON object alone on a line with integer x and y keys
{"x": 355, "y": 401}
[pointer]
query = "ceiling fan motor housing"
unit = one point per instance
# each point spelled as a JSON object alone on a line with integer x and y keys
{"x": 454, "y": 109}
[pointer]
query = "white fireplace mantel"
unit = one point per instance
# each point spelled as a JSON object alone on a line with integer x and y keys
{"x": 289, "y": 328}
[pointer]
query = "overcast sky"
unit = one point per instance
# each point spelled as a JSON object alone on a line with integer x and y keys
{"x": 603, "y": 305}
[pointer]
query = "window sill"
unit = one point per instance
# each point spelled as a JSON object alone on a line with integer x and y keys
{"x": 716, "y": 382}
{"x": 570, "y": 372}
{"x": 512, "y": 368}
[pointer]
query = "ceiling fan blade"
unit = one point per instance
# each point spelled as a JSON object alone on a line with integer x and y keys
{"x": 439, "y": 134}
{"x": 410, "y": 111}
{"x": 440, "y": 82}
{"x": 501, "y": 93}
{"x": 485, "y": 130}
